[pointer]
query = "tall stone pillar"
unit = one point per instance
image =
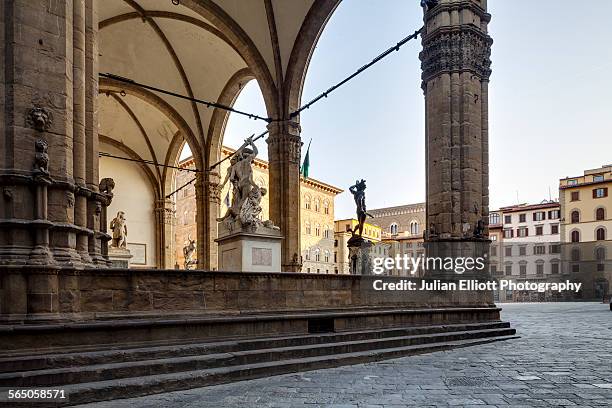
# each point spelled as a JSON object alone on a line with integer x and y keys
{"x": 213, "y": 195}
{"x": 48, "y": 140}
{"x": 456, "y": 68}
{"x": 284, "y": 145}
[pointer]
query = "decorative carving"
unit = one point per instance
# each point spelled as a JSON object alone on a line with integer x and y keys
{"x": 39, "y": 118}
{"x": 456, "y": 50}
{"x": 8, "y": 193}
{"x": 70, "y": 199}
{"x": 41, "y": 158}
{"x": 106, "y": 187}
{"x": 479, "y": 229}
{"x": 429, "y": 4}
{"x": 119, "y": 227}
{"x": 188, "y": 251}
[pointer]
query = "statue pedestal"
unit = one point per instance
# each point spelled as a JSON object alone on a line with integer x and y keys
{"x": 119, "y": 257}
{"x": 360, "y": 256}
{"x": 255, "y": 250}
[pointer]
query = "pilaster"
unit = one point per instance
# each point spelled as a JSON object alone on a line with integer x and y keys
{"x": 284, "y": 146}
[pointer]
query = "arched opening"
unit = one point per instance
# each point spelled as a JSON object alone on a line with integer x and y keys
{"x": 575, "y": 236}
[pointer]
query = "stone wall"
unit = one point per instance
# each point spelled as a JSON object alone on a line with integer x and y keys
{"x": 85, "y": 294}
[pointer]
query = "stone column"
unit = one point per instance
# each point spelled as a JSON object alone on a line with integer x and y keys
{"x": 284, "y": 144}
{"x": 456, "y": 69}
{"x": 213, "y": 195}
{"x": 164, "y": 216}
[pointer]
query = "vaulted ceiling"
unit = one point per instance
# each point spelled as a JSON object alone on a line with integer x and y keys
{"x": 201, "y": 48}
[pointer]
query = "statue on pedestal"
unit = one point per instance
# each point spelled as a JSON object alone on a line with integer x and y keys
{"x": 119, "y": 227}
{"x": 188, "y": 251}
{"x": 245, "y": 207}
{"x": 358, "y": 191}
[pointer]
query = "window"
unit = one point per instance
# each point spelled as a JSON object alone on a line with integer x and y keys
{"x": 554, "y": 249}
{"x": 575, "y": 196}
{"x": 540, "y": 269}
{"x": 494, "y": 218}
{"x": 508, "y": 233}
{"x": 493, "y": 269}
{"x": 317, "y": 255}
{"x": 307, "y": 255}
{"x": 508, "y": 250}
{"x": 318, "y": 230}
{"x": 523, "y": 270}
{"x": 600, "y": 192}
{"x": 308, "y": 270}
{"x": 554, "y": 229}
{"x": 522, "y": 250}
{"x": 554, "y": 215}
{"x": 600, "y": 234}
{"x": 522, "y": 232}
{"x": 336, "y": 271}
{"x": 327, "y": 255}
{"x": 539, "y": 250}
{"x": 317, "y": 203}
{"x": 414, "y": 228}
{"x": 575, "y": 254}
{"x": 575, "y": 217}
{"x": 493, "y": 251}
{"x": 522, "y": 217}
{"x": 307, "y": 202}
{"x": 393, "y": 229}
{"x": 572, "y": 182}
{"x": 575, "y": 236}
{"x": 539, "y": 216}
{"x": 493, "y": 238}
{"x": 185, "y": 218}
{"x": 326, "y": 207}
{"x": 507, "y": 219}
{"x": 576, "y": 268}
{"x": 335, "y": 243}
{"x": 508, "y": 270}
{"x": 600, "y": 214}
{"x": 598, "y": 177}
{"x": 600, "y": 254}
{"x": 327, "y": 232}
{"x": 540, "y": 230}
{"x": 554, "y": 268}
{"x": 335, "y": 257}
{"x": 308, "y": 228}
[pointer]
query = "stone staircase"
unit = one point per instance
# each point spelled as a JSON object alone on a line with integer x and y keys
{"x": 128, "y": 370}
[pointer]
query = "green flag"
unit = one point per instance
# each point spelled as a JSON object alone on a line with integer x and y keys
{"x": 306, "y": 164}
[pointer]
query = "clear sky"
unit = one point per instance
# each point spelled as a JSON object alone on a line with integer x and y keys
{"x": 550, "y": 100}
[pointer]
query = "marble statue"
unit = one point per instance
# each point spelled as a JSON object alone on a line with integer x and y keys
{"x": 119, "y": 227}
{"x": 240, "y": 174}
{"x": 358, "y": 191}
{"x": 245, "y": 207}
{"x": 188, "y": 251}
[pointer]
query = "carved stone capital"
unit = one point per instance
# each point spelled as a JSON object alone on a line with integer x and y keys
{"x": 456, "y": 49}
{"x": 285, "y": 146}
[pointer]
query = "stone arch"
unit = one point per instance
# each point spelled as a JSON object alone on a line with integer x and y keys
{"x": 307, "y": 38}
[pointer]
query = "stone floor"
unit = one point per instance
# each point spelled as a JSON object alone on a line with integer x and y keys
{"x": 564, "y": 358}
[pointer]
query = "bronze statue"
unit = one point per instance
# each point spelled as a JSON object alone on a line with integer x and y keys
{"x": 358, "y": 191}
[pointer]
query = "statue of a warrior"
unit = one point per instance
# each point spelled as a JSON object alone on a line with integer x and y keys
{"x": 188, "y": 251}
{"x": 119, "y": 227}
{"x": 358, "y": 191}
{"x": 240, "y": 174}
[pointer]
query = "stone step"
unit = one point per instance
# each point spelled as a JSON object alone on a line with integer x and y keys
{"x": 149, "y": 351}
{"x": 128, "y": 369}
{"x": 158, "y": 383}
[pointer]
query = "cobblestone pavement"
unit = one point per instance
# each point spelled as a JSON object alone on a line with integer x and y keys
{"x": 564, "y": 358}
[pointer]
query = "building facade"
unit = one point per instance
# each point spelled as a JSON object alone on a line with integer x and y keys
{"x": 406, "y": 221}
{"x": 586, "y": 228}
{"x": 317, "y": 213}
{"x": 530, "y": 248}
